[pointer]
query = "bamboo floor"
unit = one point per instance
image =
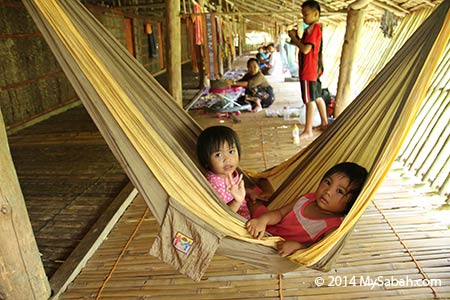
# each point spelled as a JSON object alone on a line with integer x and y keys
{"x": 397, "y": 249}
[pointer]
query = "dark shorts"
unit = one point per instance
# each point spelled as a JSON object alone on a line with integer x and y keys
{"x": 311, "y": 90}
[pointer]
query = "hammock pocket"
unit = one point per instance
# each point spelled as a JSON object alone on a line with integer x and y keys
{"x": 154, "y": 139}
{"x": 186, "y": 242}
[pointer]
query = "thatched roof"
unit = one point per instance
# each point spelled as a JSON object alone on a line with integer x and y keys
{"x": 265, "y": 14}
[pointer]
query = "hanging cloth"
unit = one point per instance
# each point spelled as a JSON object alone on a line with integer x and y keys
{"x": 198, "y": 24}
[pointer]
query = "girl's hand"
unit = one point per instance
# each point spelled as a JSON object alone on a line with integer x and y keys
{"x": 237, "y": 189}
{"x": 256, "y": 227}
{"x": 286, "y": 248}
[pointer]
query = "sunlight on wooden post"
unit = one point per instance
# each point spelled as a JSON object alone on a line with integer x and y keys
{"x": 22, "y": 274}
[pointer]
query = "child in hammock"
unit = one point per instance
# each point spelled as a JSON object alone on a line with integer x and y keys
{"x": 306, "y": 220}
{"x": 218, "y": 149}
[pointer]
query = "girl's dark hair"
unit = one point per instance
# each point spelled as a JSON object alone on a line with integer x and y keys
{"x": 357, "y": 176}
{"x": 212, "y": 138}
{"x": 312, "y": 4}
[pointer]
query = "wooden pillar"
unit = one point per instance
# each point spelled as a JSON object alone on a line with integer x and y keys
{"x": 233, "y": 35}
{"x": 242, "y": 30}
{"x": 173, "y": 38}
{"x": 352, "y": 39}
{"x": 229, "y": 43}
{"x": 221, "y": 43}
{"x": 161, "y": 47}
{"x": 22, "y": 274}
{"x": 239, "y": 34}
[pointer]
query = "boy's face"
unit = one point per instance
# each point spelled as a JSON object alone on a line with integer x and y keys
{"x": 310, "y": 15}
{"x": 332, "y": 194}
{"x": 224, "y": 160}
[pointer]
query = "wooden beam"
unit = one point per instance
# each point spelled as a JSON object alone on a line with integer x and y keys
{"x": 173, "y": 38}
{"x": 265, "y": 13}
{"x": 359, "y": 4}
{"x": 22, "y": 274}
{"x": 355, "y": 22}
{"x": 396, "y": 10}
{"x": 13, "y": 128}
{"x": 72, "y": 266}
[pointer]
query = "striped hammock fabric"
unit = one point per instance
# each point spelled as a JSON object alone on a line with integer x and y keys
{"x": 154, "y": 139}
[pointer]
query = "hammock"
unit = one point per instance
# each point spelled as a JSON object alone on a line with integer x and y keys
{"x": 154, "y": 140}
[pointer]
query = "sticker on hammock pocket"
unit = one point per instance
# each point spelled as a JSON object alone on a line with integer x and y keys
{"x": 182, "y": 243}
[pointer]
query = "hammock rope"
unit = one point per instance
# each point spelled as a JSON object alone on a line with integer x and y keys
{"x": 154, "y": 139}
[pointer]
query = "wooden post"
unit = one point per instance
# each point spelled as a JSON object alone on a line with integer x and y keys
{"x": 22, "y": 274}
{"x": 220, "y": 55}
{"x": 203, "y": 48}
{"x": 173, "y": 38}
{"x": 233, "y": 34}
{"x": 241, "y": 34}
{"x": 352, "y": 39}
{"x": 161, "y": 47}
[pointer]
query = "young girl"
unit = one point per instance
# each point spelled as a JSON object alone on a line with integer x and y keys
{"x": 306, "y": 220}
{"x": 218, "y": 149}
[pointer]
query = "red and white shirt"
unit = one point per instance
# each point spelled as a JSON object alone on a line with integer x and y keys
{"x": 295, "y": 226}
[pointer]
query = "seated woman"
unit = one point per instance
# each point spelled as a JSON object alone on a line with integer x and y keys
{"x": 257, "y": 89}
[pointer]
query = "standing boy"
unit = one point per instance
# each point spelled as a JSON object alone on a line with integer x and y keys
{"x": 309, "y": 69}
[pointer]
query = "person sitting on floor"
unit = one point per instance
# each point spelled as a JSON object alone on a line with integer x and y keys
{"x": 258, "y": 91}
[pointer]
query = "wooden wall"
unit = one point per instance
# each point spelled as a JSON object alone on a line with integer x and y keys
{"x": 32, "y": 84}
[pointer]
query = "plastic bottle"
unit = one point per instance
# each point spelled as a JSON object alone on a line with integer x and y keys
{"x": 286, "y": 113}
{"x": 296, "y": 135}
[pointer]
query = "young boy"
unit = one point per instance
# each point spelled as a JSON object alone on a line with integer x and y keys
{"x": 309, "y": 70}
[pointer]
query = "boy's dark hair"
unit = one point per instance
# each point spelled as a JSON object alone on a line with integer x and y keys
{"x": 253, "y": 59}
{"x": 212, "y": 138}
{"x": 357, "y": 176}
{"x": 312, "y": 4}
